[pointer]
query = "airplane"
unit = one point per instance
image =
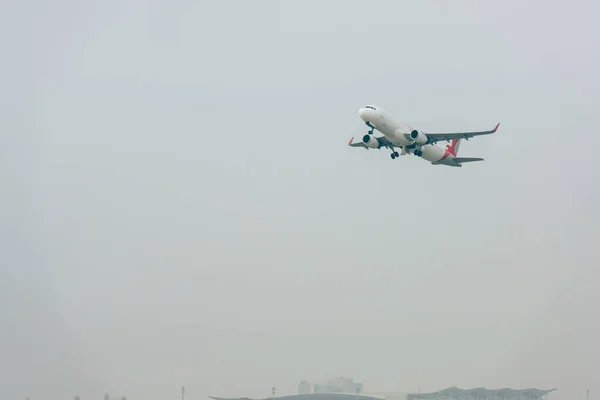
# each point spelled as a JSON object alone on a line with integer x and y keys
{"x": 397, "y": 134}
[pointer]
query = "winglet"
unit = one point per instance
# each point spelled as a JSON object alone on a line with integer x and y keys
{"x": 350, "y": 142}
{"x": 496, "y": 128}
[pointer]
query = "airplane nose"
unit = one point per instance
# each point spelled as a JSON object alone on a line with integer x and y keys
{"x": 364, "y": 114}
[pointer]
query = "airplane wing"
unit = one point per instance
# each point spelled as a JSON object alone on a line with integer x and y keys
{"x": 437, "y": 137}
{"x": 383, "y": 142}
{"x": 360, "y": 144}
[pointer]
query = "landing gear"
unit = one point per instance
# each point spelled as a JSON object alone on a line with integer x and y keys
{"x": 418, "y": 153}
{"x": 394, "y": 155}
{"x": 370, "y": 126}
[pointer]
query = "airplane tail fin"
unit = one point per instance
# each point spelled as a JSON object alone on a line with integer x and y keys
{"x": 453, "y": 147}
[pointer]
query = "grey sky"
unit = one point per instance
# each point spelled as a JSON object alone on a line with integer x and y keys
{"x": 179, "y": 204}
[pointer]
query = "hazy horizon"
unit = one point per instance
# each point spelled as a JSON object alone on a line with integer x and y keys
{"x": 180, "y": 206}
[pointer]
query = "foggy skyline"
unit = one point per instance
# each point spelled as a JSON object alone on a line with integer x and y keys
{"x": 180, "y": 206}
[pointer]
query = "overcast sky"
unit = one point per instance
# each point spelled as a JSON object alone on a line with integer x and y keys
{"x": 179, "y": 205}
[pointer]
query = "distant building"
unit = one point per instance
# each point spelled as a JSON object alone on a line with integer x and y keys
{"x": 107, "y": 397}
{"x": 304, "y": 388}
{"x": 336, "y": 385}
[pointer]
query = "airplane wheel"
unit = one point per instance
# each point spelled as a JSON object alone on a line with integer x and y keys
{"x": 393, "y": 156}
{"x": 396, "y": 154}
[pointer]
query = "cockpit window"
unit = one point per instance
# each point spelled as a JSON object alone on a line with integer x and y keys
{"x": 371, "y": 107}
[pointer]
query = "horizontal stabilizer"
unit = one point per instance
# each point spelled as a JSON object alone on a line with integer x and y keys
{"x": 461, "y": 160}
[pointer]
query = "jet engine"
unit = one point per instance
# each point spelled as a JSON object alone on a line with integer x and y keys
{"x": 418, "y": 137}
{"x": 371, "y": 142}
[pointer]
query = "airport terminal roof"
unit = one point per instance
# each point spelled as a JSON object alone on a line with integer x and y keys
{"x": 483, "y": 392}
{"x": 319, "y": 396}
{"x": 453, "y": 392}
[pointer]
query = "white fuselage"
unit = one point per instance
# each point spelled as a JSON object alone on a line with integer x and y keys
{"x": 395, "y": 131}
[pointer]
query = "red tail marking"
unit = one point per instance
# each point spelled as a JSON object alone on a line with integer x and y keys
{"x": 451, "y": 148}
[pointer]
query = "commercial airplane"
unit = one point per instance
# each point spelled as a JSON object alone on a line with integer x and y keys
{"x": 397, "y": 134}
